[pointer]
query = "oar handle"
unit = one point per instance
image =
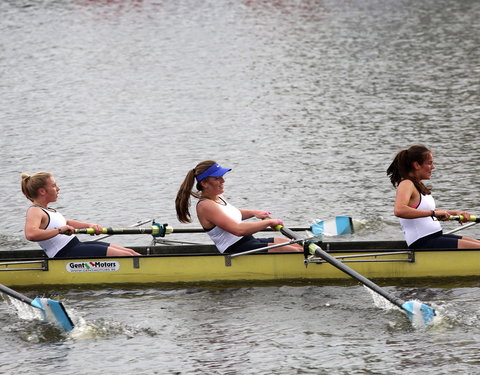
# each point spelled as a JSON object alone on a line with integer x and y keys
{"x": 276, "y": 227}
{"x": 461, "y": 218}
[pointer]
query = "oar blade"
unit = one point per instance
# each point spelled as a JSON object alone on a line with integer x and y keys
{"x": 54, "y": 312}
{"x": 340, "y": 225}
{"x": 419, "y": 313}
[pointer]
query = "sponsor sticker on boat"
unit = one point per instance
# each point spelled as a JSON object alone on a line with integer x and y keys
{"x": 93, "y": 266}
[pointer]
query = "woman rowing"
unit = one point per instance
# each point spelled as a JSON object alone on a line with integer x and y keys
{"x": 415, "y": 206}
{"x": 223, "y": 222}
{"x": 51, "y": 230}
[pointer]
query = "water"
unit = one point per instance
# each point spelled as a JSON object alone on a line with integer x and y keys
{"x": 307, "y": 101}
{"x": 282, "y": 329}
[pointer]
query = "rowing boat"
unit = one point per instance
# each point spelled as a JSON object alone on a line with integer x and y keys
{"x": 386, "y": 260}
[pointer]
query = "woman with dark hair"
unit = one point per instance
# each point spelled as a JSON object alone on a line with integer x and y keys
{"x": 223, "y": 222}
{"x": 415, "y": 206}
{"x": 51, "y": 230}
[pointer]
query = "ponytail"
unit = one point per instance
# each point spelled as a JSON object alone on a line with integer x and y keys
{"x": 182, "y": 201}
{"x": 402, "y": 165}
{"x": 31, "y": 184}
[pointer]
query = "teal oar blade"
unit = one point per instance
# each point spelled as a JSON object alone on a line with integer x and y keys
{"x": 416, "y": 311}
{"x": 52, "y": 311}
{"x": 338, "y": 226}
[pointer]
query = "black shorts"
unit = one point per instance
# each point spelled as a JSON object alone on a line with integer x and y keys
{"x": 437, "y": 241}
{"x": 248, "y": 243}
{"x": 77, "y": 249}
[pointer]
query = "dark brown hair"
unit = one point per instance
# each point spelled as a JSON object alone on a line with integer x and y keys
{"x": 182, "y": 201}
{"x": 402, "y": 165}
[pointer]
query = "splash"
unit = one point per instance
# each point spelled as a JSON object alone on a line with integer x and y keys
{"x": 83, "y": 330}
{"x": 420, "y": 315}
{"x": 419, "y": 318}
{"x": 23, "y": 310}
{"x": 101, "y": 328}
{"x": 381, "y": 302}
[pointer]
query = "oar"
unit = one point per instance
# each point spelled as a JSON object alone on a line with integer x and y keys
{"x": 412, "y": 308}
{"x": 137, "y": 224}
{"x": 338, "y": 226}
{"x": 474, "y": 220}
{"x": 460, "y": 218}
{"x": 52, "y": 311}
{"x": 156, "y": 230}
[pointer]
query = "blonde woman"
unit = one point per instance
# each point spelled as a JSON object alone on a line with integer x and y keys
{"x": 51, "y": 230}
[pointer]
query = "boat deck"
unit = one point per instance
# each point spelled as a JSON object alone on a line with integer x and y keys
{"x": 179, "y": 250}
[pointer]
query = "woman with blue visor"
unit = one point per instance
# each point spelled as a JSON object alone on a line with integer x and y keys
{"x": 224, "y": 223}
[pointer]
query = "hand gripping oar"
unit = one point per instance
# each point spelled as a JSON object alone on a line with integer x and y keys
{"x": 52, "y": 311}
{"x": 474, "y": 220}
{"x": 412, "y": 308}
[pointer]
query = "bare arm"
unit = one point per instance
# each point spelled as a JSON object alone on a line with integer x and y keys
{"x": 79, "y": 224}
{"x": 407, "y": 195}
{"x": 210, "y": 214}
{"x": 35, "y": 222}
{"x": 75, "y": 224}
{"x": 259, "y": 214}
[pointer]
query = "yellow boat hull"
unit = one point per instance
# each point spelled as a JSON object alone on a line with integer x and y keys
{"x": 202, "y": 268}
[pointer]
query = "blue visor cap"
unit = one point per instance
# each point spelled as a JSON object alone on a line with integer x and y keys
{"x": 214, "y": 171}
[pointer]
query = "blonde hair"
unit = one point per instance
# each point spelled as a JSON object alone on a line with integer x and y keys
{"x": 182, "y": 201}
{"x": 31, "y": 183}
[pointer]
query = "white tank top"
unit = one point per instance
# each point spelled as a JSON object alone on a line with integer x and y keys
{"x": 414, "y": 229}
{"x": 223, "y": 239}
{"x": 53, "y": 245}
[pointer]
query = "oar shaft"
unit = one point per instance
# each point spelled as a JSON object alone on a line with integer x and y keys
{"x": 155, "y": 230}
{"x": 52, "y": 311}
{"x": 118, "y": 230}
{"x": 315, "y": 249}
{"x": 137, "y": 224}
{"x": 14, "y": 294}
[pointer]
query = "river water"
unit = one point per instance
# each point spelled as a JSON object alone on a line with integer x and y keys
{"x": 307, "y": 101}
